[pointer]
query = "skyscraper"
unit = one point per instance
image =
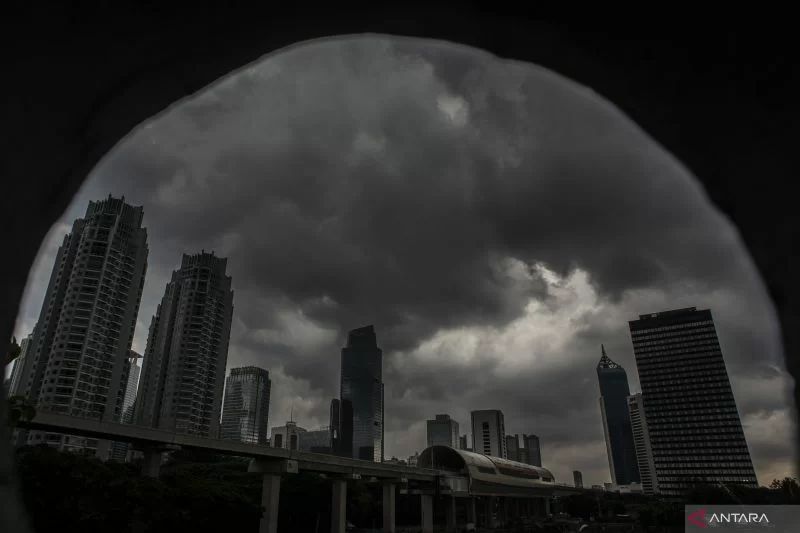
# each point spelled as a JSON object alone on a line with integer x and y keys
{"x": 614, "y": 392}
{"x": 132, "y": 384}
{"x": 524, "y": 450}
{"x": 443, "y": 431}
{"x": 76, "y": 363}
{"x": 187, "y": 349}
{"x": 119, "y": 450}
{"x": 577, "y": 478}
{"x": 362, "y": 386}
{"x": 245, "y": 413}
{"x": 695, "y": 431}
{"x": 489, "y": 433}
{"x": 341, "y": 427}
{"x": 335, "y": 429}
{"x": 19, "y": 364}
{"x": 641, "y": 441}
{"x": 512, "y": 447}
{"x": 463, "y": 443}
{"x": 531, "y": 451}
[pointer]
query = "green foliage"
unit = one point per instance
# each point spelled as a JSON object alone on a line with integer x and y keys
{"x": 581, "y": 505}
{"x": 305, "y": 503}
{"x": 67, "y": 492}
{"x": 657, "y": 514}
{"x": 196, "y": 492}
{"x": 787, "y": 489}
{"x": 780, "y": 492}
{"x": 648, "y": 511}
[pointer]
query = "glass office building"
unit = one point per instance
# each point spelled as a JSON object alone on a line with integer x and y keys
{"x": 362, "y": 388}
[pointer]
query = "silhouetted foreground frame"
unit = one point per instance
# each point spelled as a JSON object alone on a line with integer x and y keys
{"x": 721, "y": 97}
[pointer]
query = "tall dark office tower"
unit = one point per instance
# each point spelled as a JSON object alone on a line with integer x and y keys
{"x": 362, "y": 386}
{"x": 77, "y": 359}
{"x": 335, "y": 421}
{"x": 245, "y": 413}
{"x": 577, "y": 478}
{"x": 694, "y": 427}
{"x": 187, "y": 349}
{"x": 614, "y": 394}
{"x": 341, "y": 427}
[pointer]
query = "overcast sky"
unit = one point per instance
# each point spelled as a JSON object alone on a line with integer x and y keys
{"x": 495, "y": 221}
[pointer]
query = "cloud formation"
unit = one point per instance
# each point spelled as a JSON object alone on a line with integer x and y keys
{"x": 495, "y": 221}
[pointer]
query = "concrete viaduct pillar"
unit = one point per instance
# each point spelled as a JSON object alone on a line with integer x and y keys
{"x": 389, "y": 514}
{"x": 492, "y": 517}
{"x": 338, "y": 505}
{"x": 152, "y": 456}
{"x": 450, "y": 514}
{"x": 472, "y": 512}
{"x": 270, "y": 501}
{"x": 272, "y": 470}
{"x": 427, "y": 513}
{"x": 151, "y": 463}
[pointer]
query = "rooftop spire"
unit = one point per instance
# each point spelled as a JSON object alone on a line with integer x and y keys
{"x": 605, "y": 360}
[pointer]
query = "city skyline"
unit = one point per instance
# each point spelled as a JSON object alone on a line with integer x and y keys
{"x": 521, "y": 316}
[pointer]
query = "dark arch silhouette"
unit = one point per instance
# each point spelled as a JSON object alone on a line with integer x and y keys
{"x": 720, "y": 97}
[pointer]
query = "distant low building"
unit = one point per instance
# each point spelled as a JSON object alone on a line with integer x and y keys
{"x": 512, "y": 447}
{"x": 443, "y": 431}
{"x": 526, "y": 450}
{"x": 413, "y": 459}
{"x": 531, "y": 450}
{"x": 630, "y": 488}
{"x": 317, "y": 441}
{"x": 395, "y": 461}
{"x": 287, "y": 437}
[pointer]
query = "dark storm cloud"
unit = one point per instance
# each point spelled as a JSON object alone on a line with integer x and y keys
{"x": 455, "y": 201}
